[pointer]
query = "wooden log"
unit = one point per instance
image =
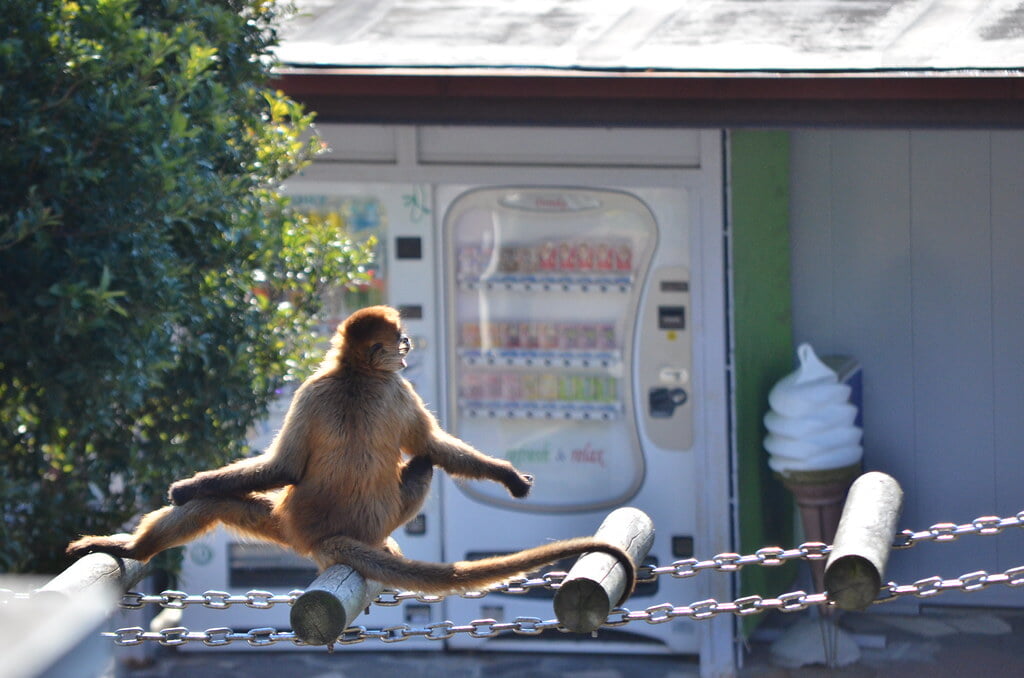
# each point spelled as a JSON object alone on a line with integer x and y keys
{"x": 597, "y": 581}
{"x": 97, "y": 570}
{"x": 330, "y": 604}
{"x": 856, "y": 564}
{"x": 56, "y": 632}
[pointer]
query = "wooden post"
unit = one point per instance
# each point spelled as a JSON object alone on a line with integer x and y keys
{"x": 97, "y": 570}
{"x": 330, "y": 604}
{"x": 597, "y": 581}
{"x": 856, "y": 564}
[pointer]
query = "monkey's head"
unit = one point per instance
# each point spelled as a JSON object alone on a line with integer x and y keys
{"x": 372, "y": 338}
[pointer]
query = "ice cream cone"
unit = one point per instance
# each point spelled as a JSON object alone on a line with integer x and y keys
{"x": 820, "y": 496}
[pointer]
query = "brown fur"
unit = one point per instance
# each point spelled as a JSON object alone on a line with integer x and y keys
{"x": 333, "y": 485}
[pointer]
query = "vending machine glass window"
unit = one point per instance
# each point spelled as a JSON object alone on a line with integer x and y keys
{"x": 545, "y": 286}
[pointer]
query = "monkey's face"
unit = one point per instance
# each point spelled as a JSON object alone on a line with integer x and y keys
{"x": 373, "y": 338}
{"x": 388, "y": 354}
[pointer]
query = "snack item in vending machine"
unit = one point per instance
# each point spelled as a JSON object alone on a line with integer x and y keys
{"x": 470, "y": 335}
{"x": 547, "y": 257}
{"x": 510, "y": 337}
{"x": 547, "y": 336}
{"x": 566, "y": 388}
{"x": 606, "y": 337}
{"x": 584, "y": 388}
{"x": 511, "y": 387}
{"x": 470, "y": 386}
{"x": 606, "y": 390}
{"x": 584, "y": 256}
{"x": 508, "y": 259}
{"x": 531, "y": 387}
{"x": 603, "y": 257}
{"x": 548, "y": 387}
{"x": 570, "y": 337}
{"x": 528, "y": 338}
{"x": 588, "y": 336}
{"x": 492, "y": 386}
{"x": 567, "y": 257}
{"x": 526, "y": 259}
{"x": 623, "y": 257}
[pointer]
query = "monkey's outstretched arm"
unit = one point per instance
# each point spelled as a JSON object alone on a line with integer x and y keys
{"x": 459, "y": 458}
{"x": 281, "y": 465}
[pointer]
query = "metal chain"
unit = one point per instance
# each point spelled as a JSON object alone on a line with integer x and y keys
{"x": 480, "y": 628}
{"x": 947, "y": 532}
{"x": 769, "y": 556}
{"x": 216, "y": 600}
{"x": 656, "y": 614}
{"x": 488, "y": 628}
{"x": 967, "y": 583}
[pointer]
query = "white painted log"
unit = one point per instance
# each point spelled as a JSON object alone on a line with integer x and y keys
{"x": 597, "y": 581}
{"x": 330, "y": 604}
{"x": 856, "y": 564}
{"x": 97, "y": 570}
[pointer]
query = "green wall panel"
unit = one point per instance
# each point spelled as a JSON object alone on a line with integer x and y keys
{"x": 762, "y": 341}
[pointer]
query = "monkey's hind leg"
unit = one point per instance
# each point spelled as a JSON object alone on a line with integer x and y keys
{"x": 415, "y": 484}
{"x": 176, "y": 525}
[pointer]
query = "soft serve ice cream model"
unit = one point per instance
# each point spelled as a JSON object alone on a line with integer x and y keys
{"x": 813, "y": 444}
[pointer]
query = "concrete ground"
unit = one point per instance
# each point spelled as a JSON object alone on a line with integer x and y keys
{"x": 937, "y": 643}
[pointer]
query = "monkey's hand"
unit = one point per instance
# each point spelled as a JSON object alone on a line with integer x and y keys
{"x": 518, "y": 484}
{"x": 183, "y": 491}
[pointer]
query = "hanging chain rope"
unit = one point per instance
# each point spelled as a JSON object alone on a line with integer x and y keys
{"x": 655, "y": 614}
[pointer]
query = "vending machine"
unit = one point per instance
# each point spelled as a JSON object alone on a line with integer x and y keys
{"x": 565, "y": 291}
{"x": 397, "y": 216}
{"x": 577, "y": 350}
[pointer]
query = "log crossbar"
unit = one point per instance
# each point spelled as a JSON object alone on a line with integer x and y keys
{"x": 96, "y": 570}
{"x": 330, "y": 604}
{"x": 597, "y": 581}
{"x": 864, "y": 539}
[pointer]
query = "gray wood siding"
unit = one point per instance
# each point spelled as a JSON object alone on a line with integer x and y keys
{"x": 907, "y": 254}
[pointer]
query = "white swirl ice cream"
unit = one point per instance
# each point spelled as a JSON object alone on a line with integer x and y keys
{"x": 811, "y": 421}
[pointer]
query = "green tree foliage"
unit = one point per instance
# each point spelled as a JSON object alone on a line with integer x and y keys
{"x": 156, "y": 290}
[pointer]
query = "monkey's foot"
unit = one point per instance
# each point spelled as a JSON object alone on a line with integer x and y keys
{"x": 115, "y": 545}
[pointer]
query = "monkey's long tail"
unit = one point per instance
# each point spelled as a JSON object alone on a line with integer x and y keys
{"x": 466, "y": 575}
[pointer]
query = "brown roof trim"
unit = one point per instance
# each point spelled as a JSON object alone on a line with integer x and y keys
{"x": 478, "y": 96}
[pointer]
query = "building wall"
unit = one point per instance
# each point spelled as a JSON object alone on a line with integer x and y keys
{"x": 908, "y": 254}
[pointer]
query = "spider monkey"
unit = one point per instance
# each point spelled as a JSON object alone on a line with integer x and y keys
{"x": 334, "y": 485}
